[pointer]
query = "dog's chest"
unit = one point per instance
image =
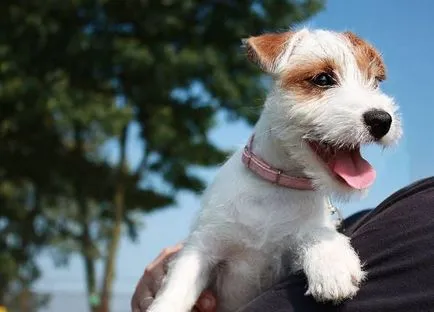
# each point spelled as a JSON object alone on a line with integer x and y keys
{"x": 254, "y": 224}
{"x": 247, "y": 272}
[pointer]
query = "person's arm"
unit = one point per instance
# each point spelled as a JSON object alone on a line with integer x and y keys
{"x": 150, "y": 283}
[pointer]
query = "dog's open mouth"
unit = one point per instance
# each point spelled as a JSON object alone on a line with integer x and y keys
{"x": 347, "y": 164}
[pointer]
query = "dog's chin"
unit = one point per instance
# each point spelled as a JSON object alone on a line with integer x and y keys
{"x": 339, "y": 171}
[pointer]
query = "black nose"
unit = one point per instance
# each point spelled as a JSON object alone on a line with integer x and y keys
{"x": 378, "y": 122}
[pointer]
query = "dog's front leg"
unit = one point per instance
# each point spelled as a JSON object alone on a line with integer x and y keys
{"x": 331, "y": 265}
{"x": 187, "y": 278}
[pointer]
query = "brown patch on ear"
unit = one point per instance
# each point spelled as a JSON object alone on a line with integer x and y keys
{"x": 298, "y": 79}
{"x": 368, "y": 59}
{"x": 265, "y": 49}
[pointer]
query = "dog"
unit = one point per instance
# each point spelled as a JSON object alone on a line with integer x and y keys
{"x": 264, "y": 216}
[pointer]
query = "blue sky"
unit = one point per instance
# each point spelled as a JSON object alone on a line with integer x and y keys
{"x": 402, "y": 31}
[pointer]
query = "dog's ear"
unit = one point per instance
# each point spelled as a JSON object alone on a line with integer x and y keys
{"x": 265, "y": 50}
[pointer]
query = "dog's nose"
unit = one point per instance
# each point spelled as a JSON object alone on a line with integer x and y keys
{"x": 378, "y": 122}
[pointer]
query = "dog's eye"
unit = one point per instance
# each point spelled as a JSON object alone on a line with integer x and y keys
{"x": 324, "y": 80}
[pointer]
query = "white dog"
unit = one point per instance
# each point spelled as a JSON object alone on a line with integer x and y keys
{"x": 265, "y": 214}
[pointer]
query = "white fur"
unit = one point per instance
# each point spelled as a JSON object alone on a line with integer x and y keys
{"x": 250, "y": 233}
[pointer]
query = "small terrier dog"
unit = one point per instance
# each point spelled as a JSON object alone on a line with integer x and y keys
{"x": 265, "y": 217}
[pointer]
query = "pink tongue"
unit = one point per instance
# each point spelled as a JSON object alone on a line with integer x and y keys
{"x": 353, "y": 169}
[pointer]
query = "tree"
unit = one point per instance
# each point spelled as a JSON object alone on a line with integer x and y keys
{"x": 75, "y": 74}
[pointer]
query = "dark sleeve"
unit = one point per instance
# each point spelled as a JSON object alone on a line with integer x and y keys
{"x": 396, "y": 243}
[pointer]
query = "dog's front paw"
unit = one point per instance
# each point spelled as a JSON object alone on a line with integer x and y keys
{"x": 163, "y": 306}
{"x": 333, "y": 270}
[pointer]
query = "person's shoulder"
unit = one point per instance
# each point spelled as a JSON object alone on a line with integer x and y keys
{"x": 407, "y": 192}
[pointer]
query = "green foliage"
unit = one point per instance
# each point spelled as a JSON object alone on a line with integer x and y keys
{"x": 76, "y": 74}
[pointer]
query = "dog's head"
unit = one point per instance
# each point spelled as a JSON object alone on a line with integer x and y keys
{"x": 326, "y": 103}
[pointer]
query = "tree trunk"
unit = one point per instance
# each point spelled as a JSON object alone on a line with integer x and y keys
{"x": 87, "y": 249}
{"x": 89, "y": 266}
{"x": 113, "y": 244}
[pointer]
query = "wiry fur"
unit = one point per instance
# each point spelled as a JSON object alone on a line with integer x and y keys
{"x": 250, "y": 232}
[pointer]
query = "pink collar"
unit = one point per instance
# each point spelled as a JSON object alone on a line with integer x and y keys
{"x": 270, "y": 174}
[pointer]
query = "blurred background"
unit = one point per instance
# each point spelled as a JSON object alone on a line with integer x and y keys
{"x": 114, "y": 115}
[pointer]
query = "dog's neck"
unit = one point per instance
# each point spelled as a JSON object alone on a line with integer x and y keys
{"x": 271, "y": 150}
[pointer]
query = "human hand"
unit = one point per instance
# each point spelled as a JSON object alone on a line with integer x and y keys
{"x": 151, "y": 281}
